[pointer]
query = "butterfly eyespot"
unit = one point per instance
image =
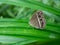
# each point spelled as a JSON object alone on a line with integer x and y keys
{"x": 42, "y": 24}
{"x": 40, "y": 19}
{"x": 39, "y": 16}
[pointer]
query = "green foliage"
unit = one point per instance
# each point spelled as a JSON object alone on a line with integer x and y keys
{"x": 14, "y": 22}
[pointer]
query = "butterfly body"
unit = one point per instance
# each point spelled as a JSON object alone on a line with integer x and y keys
{"x": 38, "y": 20}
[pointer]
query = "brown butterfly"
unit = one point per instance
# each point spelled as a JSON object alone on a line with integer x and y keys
{"x": 38, "y": 20}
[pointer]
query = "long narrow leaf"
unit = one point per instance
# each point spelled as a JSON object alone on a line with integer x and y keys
{"x": 33, "y": 4}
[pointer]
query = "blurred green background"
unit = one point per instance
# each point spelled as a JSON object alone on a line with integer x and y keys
{"x": 14, "y": 22}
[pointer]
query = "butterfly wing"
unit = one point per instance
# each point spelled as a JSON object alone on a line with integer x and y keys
{"x": 34, "y": 22}
{"x": 38, "y": 20}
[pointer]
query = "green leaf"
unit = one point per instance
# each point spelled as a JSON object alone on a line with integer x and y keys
{"x": 23, "y": 28}
{"x": 34, "y": 5}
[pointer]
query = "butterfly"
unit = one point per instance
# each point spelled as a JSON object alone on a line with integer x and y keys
{"x": 37, "y": 20}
